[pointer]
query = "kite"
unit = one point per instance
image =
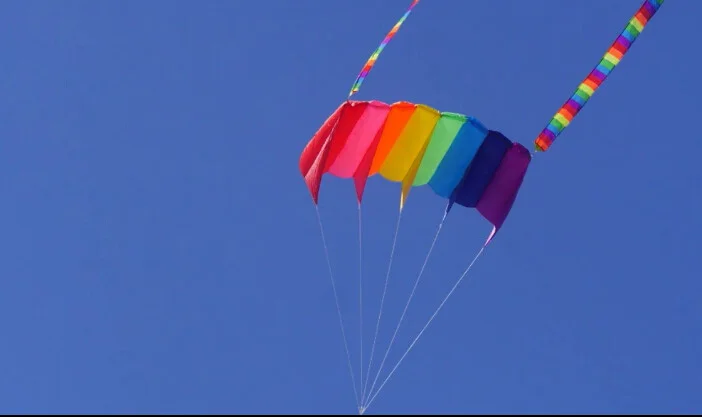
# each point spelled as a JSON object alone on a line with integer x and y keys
{"x": 414, "y": 144}
{"x": 454, "y": 154}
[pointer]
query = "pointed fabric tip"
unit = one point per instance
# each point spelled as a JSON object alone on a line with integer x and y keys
{"x": 314, "y": 156}
{"x": 492, "y": 235}
{"x": 344, "y": 145}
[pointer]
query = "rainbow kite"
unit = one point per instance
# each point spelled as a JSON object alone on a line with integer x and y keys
{"x": 414, "y": 144}
{"x": 459, "y": 158}
{"x": 456, "y": 155}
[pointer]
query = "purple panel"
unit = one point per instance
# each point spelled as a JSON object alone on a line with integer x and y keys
{"x": 499, "y": 196}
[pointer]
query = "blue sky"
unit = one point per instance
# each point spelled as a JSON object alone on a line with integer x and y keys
{"x": 160, "y": 252}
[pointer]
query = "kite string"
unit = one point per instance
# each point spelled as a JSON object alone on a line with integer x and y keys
{"x": 382, "y": 301}
{"x": 409, "y": 300}
{"x": 338, "y": 308}
{"x": 360, "y": 291}
{"x": 425, "y": 326}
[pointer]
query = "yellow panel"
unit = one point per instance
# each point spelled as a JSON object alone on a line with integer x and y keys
{"x": 411, "y": 143}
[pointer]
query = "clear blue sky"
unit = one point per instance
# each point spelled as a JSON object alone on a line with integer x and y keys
{"x": 160, "y": 252}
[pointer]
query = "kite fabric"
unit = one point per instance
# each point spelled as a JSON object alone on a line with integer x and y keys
{"x": 414, "y": 144}
{"x": 455, "y": 155}
{"x": 374, "y": 57}
{"x": 594, "y": 80}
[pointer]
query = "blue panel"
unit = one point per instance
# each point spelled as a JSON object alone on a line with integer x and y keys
{"x": 454, "y": 163}
{"x": 481, "y": 170}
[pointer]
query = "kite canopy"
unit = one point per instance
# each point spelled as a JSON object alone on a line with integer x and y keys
{"x": 414, "y": 144}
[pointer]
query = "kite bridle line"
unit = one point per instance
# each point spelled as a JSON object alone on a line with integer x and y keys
{"x": 562, "y": 118}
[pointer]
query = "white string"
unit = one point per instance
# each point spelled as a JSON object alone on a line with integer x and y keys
{"x": 364, "y": 408}
{"x": 409, "y": 300}
{"x": 360, "y": 290}
{"x": 382, "y": 301}
{"x": 338, "y": 309}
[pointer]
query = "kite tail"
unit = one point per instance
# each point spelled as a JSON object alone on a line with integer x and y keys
{"x": 594, "y": 80}
{"x": 374, "y": 57}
